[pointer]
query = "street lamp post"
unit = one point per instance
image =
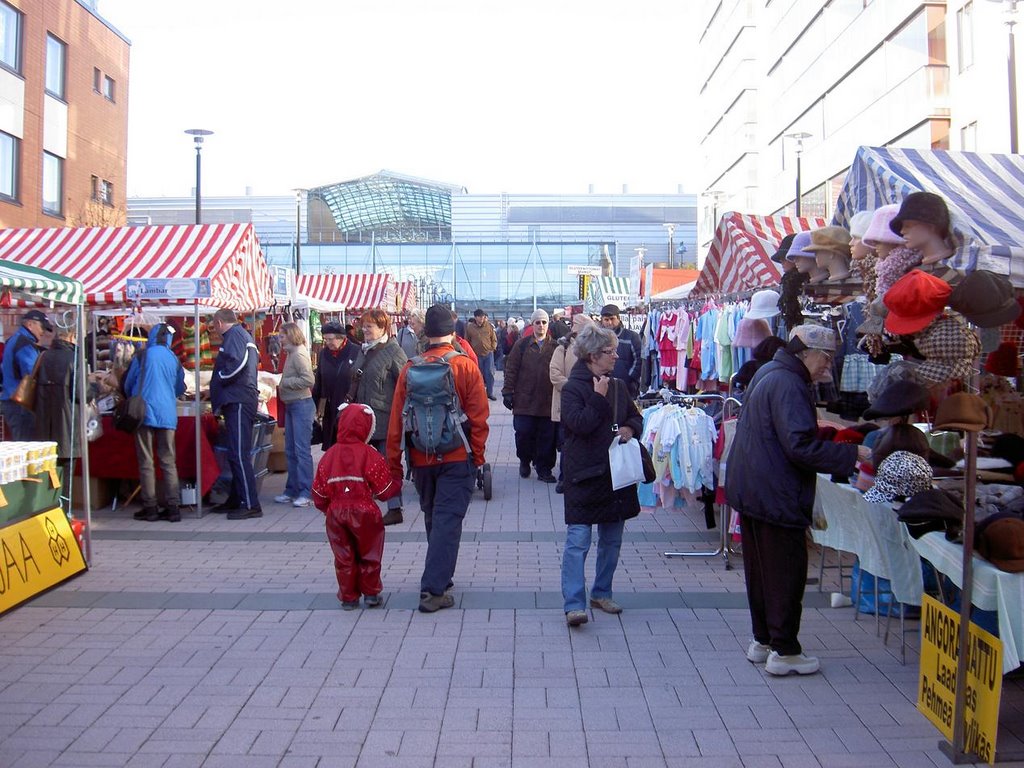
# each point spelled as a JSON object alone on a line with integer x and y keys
{"x": 671, "y": 253}
{"x": 197, "y": 134}
{"x": 1011, "y": 67}
{"x": 298, "y": 231}
{"x": 799, "y": 136}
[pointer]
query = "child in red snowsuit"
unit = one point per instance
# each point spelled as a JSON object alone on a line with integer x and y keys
{"x": 348, "y": 478}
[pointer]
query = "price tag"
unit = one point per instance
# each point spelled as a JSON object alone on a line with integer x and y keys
{"x": 54, "y": 480}
{"x": 3, "y": 499}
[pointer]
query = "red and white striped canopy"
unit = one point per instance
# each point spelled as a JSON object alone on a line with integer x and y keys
{"x": 405, "y": 296}
{"x": 355, "y": 292}
{"x": 740, "y": 255}
{"x": 103, "y": 258}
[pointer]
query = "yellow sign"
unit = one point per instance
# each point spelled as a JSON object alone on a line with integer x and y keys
{"x": 36, "y": 554}
{"x": 940, "y": 649}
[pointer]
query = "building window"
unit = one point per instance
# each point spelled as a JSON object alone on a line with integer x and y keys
{"x": 97, "y": 79}
{"x": 8, "y": 167}
{"x": 108, "y": 88}
{"x": 102, "y": 191}
{"x": 969, "y": 137}
{"x": 56, "y": 61}
{"x": 965, "y": 36}
{"x": 10, "y": 37}
{"x": 53, "y": 184}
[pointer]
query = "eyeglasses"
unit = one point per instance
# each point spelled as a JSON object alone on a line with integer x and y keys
{"x": 609, "y": 352}
{"x": 540, "y": 322}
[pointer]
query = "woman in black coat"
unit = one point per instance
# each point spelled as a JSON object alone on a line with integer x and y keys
{"x": 55, "y": 398}
{"x": 333, "y": 377}
{"x": 590, "y": 399}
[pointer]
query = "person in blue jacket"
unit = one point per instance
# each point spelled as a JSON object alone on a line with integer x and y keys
{"x": 233, "y": 394}
{"x": 19, "y": 359}
{"x": 156, "y": 375}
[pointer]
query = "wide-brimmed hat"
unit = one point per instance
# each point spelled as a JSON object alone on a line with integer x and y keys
{"x": 860, "y": 222}
{"x": 950, "y": 349}
{"x": 829, "y": 239}
{"x": 964, "y": 411}
{"x": 763, "y": 304}
{"x": 932, "y": 510}
{"x": 1000, "y": 540}
{"x": 985, "y": 299}
{"x": 796, "y": 248}
{"x": 926, "y": 207}
{"x": 751, "y": 332}
{"x": 903, "y": 474}
{"x": 901, "y": 397}
{"x": 914, "y": 301}
{"x": 780, "y": 253}
{"x": 878, "y": 230}
{"x": 1004, "y": 360}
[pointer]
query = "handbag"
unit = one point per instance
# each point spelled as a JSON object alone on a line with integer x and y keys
{"x": 629, "y": 461}
{"x": 317, "y": 435}
{"x": 131, "y": 412}
{"x": 25, "y": 393}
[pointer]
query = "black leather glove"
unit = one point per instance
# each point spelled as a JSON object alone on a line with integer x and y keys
{"x": 507, "y": 401}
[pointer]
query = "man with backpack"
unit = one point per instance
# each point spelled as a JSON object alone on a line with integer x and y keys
{"x": 440, "y": 421}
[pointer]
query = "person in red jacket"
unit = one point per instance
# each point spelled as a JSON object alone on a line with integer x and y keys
{"x": 350, "y": 475}
{"x": 444, "y": 483}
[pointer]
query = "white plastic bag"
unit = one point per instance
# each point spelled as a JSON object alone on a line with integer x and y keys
{"x": 626, "y": 463}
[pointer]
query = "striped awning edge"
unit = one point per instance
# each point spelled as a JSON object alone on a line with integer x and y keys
{"x": 25, "y": 284}
{"x": 356, "y": 292}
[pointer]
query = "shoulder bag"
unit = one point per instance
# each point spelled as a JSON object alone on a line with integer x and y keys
{"x": 131, "y": 412}
{"x": 25, "y": 394}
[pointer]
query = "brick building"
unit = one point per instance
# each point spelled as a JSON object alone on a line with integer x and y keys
{"x": 63, "y": 115}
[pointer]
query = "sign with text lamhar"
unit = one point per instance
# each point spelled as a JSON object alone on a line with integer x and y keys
{"x": 35, "y": 555}
{"x": 940, "y": 649}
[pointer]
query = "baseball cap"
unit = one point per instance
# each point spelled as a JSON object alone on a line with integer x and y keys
{"x": 35, "y": 314}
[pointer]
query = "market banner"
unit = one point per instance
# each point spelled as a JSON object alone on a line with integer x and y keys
{"x": 35, "y": 555}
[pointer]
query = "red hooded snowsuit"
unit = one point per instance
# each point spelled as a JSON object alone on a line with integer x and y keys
{"x": 348, "y": 478}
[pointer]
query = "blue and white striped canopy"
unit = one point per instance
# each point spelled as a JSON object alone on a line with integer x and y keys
{"x": 985, "y": 195}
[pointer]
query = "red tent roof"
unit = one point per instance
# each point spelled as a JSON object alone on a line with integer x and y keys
{"x": 405, "y": 296}
{"x": 740, "y": 255}
{"x": 103, "y": 258}
{"x": 356, "y": 292}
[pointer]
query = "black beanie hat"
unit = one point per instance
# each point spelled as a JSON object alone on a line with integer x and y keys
{"x": 925, "y": 207}
{"x": 438, "y": 322}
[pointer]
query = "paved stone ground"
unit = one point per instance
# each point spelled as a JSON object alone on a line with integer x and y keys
{"x": 218, "y": 643}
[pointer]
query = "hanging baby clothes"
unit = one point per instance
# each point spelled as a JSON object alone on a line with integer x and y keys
{"x": 681, "y": 441}
{"x": 668, "y": 356}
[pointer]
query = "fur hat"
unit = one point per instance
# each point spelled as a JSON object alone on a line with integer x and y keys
{"x": 438, "y": 322}
{"x": 860, "y": 222}
{"x": 914, "y": 301}
{"x": 1004, "y": 361}
{"x": 783, "y": 249}
{"x": 878, "y": 230}
{"x": 796, "y": 249}
{"x": 985, "y": 299}
{"x": 926, "y": 207}
{"x": 332, "y": 327}
{"x": 963, "y": 411}
{"x": 900, "y": 476}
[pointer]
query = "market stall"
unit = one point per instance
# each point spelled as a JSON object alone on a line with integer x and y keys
{"x": 346, "y": 293}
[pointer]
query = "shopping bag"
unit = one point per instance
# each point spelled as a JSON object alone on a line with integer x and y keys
{"x": 25, "y": 393}
{"x": 626, "y": 463}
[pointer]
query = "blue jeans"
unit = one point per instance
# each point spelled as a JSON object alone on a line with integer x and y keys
{"x": 574, "y": 557}
{"x": 21, "y": 422}
{"x": 298, "y": 430}
{"x": 444, "y": 490}
{"x": 487, "y": 371}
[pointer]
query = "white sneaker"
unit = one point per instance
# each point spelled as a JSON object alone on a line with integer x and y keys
{"x": 800, "y": 663}
{"x": 758, "y": 652}
{"x": 284, "y": 498}
{"x": 302, "y": 501}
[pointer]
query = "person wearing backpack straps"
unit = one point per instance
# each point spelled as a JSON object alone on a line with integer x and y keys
{"x": 444, "y": 477}
{"x": 19, "y": 359}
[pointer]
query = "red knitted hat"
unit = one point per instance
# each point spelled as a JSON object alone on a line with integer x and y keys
{"x": 1004, "y": 361}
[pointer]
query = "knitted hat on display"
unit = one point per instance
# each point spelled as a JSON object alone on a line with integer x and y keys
{"x": 783, "y": 249}
{"x": 878, "y": 230}
{"x": 860, "y": 222}
{"x": 763, "y": 304}
{"x": 796, "y": 250}
{"x": 950, "y": 349}
{"x": 900, "y": 476}
{"x": 985, "y": 299}
{"x": 750, "y": 333}
{"x": 1004, "y": 361}
{"x": 438, "y": 322}
{"x": 914, "y": 301}
{"x": 925, "y": 207}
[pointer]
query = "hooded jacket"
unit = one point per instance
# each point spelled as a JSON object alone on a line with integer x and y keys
{"x": 234, "y": 370}
{"x": 776, "y": 452}
{"x": 163, "y": 380}
{"x": 351, "y": 474}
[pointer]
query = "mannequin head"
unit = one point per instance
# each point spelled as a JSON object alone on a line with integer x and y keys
{"x": 836, "y": 263}
{"x": 808, "y": 265}
{"x": 859, "y": 249}
{"x": 883, "y": 249}
{"x": 923, "y": 221}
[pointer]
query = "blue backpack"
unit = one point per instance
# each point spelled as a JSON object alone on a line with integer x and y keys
{"x": 432, "y": 415}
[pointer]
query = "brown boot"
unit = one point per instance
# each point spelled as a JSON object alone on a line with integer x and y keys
{"x": 393, "y": 516}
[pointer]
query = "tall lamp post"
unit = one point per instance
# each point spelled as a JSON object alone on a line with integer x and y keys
{"x": 197, "y": 135}
{"x": 799, "y": 136}
{"x": 298, "y": 231}
{"x": 1011, "y": 67}
{"x": 671, "y": 251}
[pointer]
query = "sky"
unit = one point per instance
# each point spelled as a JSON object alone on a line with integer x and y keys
{"x": 531, "y": 96}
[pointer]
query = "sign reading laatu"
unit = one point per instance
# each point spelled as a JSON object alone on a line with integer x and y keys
{"x": 35, "y": 555}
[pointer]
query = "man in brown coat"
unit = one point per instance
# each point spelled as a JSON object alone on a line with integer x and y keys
{"x": 527, "y": 393}
{"x": 481, "y": 337}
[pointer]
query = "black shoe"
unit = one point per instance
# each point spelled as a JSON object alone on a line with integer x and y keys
{"x": 148, "y": 514}
{"x": 171, "y": 515}
{"x": 244, "y": 514}
{"x": 524, "y": 469}
{"x": 392, "y": 516}
{"x": 227, "y": 506}
{"x": 546, "y": 477}
{"x": 491, "y": 397}
{"x": 559, "y": 487}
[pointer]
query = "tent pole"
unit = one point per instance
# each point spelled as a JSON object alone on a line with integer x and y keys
{"x": 199, "y": 415}
{"x": 81, "y": 384}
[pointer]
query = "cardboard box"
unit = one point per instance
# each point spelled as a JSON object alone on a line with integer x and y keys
{"x": 276, "y": 462}
{"x": 101, "y": 492}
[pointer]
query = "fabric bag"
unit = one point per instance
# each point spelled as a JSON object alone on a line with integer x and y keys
{"x": 25, "y": 393}
{"x": 630, "y": 462}
{"x": 131, "y": 411}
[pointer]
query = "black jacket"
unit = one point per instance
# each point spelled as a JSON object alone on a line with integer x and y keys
{"x": 776, "y": 452}
{"x": 234, "y": 370}
{"x": 331, "y": 383}
{"x": 56, "y": 406}
{"x": 373, "y": 383}
{"x": 627, "y": 366}
{"x": 587, "y": 425}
